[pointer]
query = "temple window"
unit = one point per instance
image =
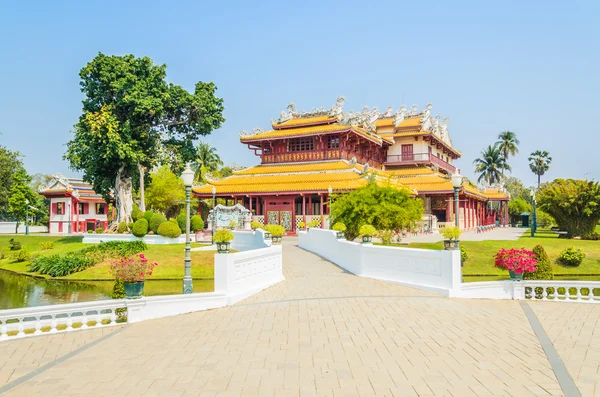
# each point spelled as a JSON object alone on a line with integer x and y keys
{"x": 333, "y": 142}
{"x": 60, "y": 208}
{"x": 100, "y": 208}
{"x": 301, "y": 144}
{"x": 81, "y": 208}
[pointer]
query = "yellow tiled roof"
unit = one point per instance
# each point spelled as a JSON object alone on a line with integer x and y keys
{"x": 405, "y": 133}
{"x": 495, "y": 194}
{"x": 385, "y": 122}
{"x": 312, "y": 130}
{"x": 294, "y": 167}
{"x": 411, "y": 171}
{"x": 413, "y": 122}
{"x": 306, "y": 120}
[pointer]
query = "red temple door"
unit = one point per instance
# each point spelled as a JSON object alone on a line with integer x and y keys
{"x": 281, "y": 212}
{"x": 407, "y": 153}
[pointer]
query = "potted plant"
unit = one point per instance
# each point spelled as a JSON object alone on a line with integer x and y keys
{"x": 267, "y": 229}
{"x": 133, "y": 272}
{"x": 367, "y": 232}
{"x": 451, "y": 235}
{"x": 313, "y": 223}
{"x": 223, "y": 240}
{"x": 255, "y": 225}
{"x": 340, "y": 228}
{"x": 301, "y": 225}
{"x": 516, "y": 261}
{"x": 232, "y": 225}
{"x": 277, "y": 232}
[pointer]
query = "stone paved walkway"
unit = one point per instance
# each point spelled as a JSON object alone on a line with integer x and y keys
{"x": 322, "y": 332}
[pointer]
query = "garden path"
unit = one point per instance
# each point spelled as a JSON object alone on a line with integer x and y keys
{"x": 321, "y": 332}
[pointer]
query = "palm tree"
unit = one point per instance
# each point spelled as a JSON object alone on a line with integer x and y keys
{"x": 508, "y": 144}
{"x": 539, "y": 162}
{"x": 207, "y": 156}
{"x": 491, "y": 165}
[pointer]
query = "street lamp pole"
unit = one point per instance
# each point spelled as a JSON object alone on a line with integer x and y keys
{"x": 533, "y": 214}
{"x": 26, "y": 217}
{"x": 188, "y": 179}
{"x": 212, "y": 227}
{"x": 457, "y": 179}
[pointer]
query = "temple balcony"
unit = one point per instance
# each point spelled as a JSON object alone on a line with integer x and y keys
{"x": 417, "y": 159}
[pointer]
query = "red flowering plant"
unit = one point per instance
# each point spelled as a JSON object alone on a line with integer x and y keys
{"x": 133, "y": 269}
{"x": 516, "y": 260}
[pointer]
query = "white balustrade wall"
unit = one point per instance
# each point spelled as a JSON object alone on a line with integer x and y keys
{"x": 436, "y": 271}
{"x": 237, "y": 276}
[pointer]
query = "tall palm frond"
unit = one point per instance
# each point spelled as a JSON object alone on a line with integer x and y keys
{"x": 508, "y": 144}
{"x": 539, "y": 162}
{"x": 206, "y": 156}
{"x": 491, "y": 165}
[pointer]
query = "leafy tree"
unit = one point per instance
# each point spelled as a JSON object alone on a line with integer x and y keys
{"x": 491, "y": 165}
{"x": 20, "y": 193}
{"x": 164, "y": 192}
{"x": 131, "y": 118}
{"x": 10, "y": 163}
{"x": 384, "y": 207}
{"x": 508, "y": 144}
{"x": 516, "y": 188}
{"x": 539, "y": 162}
{"x": 574, "y": 204}
{"x": 516, "y": 207}
{"x": 207, "y": 156}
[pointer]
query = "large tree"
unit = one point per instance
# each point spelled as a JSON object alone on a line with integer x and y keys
{"x": 132, "y": 117}
{"x": 539, "y": 162}
{"x": 508, "y": 144}
{"x": 10, "y": 164}
{"x": 574, "y": 204}
{"x": 20, "y": 194}
{"x": 384, "y": 207}
{"x": 166, "y": 191}
{"x": 491, "y": 165}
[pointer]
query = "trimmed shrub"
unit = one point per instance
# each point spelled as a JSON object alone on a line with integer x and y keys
{"x": 22, "y": 255}
{"x": 463, "y": 255}
{"x": 148, "y": 215}
{"x": 275, "y": 230}
{"x": 169, "y": 229}
{"x": 571, "y": 256}
{"x": 156, "y": 221}
{"x": 90, "y": 231}
{"x": 386, "y": 236}
{"x": 140, "y": 228}
{"x": 257, "y": 225}
{"x": 339, "y": 227}
{"x": 118, "y": 289}
{"x": 99, "y": 230}
{"x": 122, "y": 228}
{"x": 14, "y": 244}
{"x": 196, "y": 223}
{"x": 136, "y": 213}
{"x": 367, "y": 230}
{"x": 314, "y": 223}
{"x": 181, "y": 221}
{"x": 301, "y": 225}
{"x": 543, "y": 269}
{"x": 223, "y": 236}
{"x": 451, "y": 233}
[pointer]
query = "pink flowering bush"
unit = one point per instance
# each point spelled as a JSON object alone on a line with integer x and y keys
{"x": 516, "y": 260}
{"x": 133, "y": 269}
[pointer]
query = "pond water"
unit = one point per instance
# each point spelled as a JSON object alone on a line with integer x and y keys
{"x": 18, "y": 291}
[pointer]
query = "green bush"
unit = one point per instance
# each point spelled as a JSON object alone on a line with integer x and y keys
{"x": 140, "y": 227}
{"x": 130, "y": 225}
{"x": 14, "y": 245}
{"x": 571, "y": 256}
{"x": 543, "y": 269}
{"x": 181, "y": 221}
{"x": 275, "y": 230}
{"x": 301, "y": 225}
{"x": 122, "y": 228}
{"x": 339, "y": 227}
{"x": 223, "y": 236}
{"x": 156, "y": 221}
{"x": 99, "y": 230}
{"x": 463, "y": 255}
{"x": 386, "y": 236}
{"x": 196, "y": 223}
{"x": 257, "y": 225}
{"x": 148, "y": 215}
{"x": 22, "y": 255}
{"x": 118, "y": 289}
{"x": 90, "y": 231}
{"x": 136, "y": 213}
{"x": 451, "y": 232}
{"x": 314, "y": 223}
{"x": 3, "y": 253}
{"x": 367, "y": 230}
{"x": 46, "y": 245}
{"x": 594, "y": 236}
{"x": 169, "y": 229}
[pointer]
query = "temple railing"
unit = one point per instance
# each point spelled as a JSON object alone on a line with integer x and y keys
{"x": 414, "y": 158}
{"x": 562, "y": 291}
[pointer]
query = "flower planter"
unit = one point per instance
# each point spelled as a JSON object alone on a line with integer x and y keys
{"x": 451, "y": 245}
{"x": 340, "y": 235}
{"x": 367, "y": 239}
{"x": 276, "y": 239}
{"x": 223, "y": 247}
{"x": 514, "y": 276}
{"x": 267, "y": 235}
{"x": 133, "y": 290}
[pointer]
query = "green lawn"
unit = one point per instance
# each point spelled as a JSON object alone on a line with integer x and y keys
{"x": 168, "y": 257}
{"x": 481, "y": 253}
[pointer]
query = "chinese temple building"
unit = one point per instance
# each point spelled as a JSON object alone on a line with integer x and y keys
{"x": 308, "y": 156}
{"x": 74, "y": 206}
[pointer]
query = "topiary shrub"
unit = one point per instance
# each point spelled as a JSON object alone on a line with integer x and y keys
{"x": 99, "y": 230}
{"x": 169, "y": 229}
{"x": 156, "y": 221}
{"x": 223, "y": 236}
{"x": 196, "y": 223}
{"x": 543, "y": 269}
{"x": 571, "y": 256}
{"x": 367, "y": 230}
{"x": 181, "y": 221}
{"x": 275, "y": 230}
{"x": 463, "y": 255}
{"x": 122, "y": 228}
{"x": 90, "y": 231}
{"x": 257, "y": 225}
{"x": 451, "y": 232}
{"x": 136, "y": 213}
{"x": 148, "y": 215}
{"x": 339, "y": 227}
{"x": 140, "y": 228}
{"x": 14, "y": 244}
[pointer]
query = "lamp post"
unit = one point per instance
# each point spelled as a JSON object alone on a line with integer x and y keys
{"x": 456, "y": 183}
{"x": 533, "y": 217}
{"x": 330, "y": 192}
{"x": 188, "y": 178}
{"x": 212, "y": 228}
{"x": 27, "y": 217}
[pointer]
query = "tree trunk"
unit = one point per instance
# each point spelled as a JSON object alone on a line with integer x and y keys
{"x": 17, "y": 227}
{"x": 142, "y": 170}
{"x": 123, "y": 197}
{"x": 539, "y": 176}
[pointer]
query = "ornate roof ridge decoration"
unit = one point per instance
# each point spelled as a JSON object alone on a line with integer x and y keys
{"x": 58, "y": 178}
{"x": 292, "y": 112}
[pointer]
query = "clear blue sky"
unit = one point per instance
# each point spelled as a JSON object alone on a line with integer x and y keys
{"x": 529, "y": 67}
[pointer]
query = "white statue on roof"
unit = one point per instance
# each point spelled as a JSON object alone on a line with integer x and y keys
{"x": 426, "y": 113}
{"x": 435, "y": 125}
{"x": 414, "y": 110}
{"x": 400, "y": 115}
{"x": 388, "y": 112}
